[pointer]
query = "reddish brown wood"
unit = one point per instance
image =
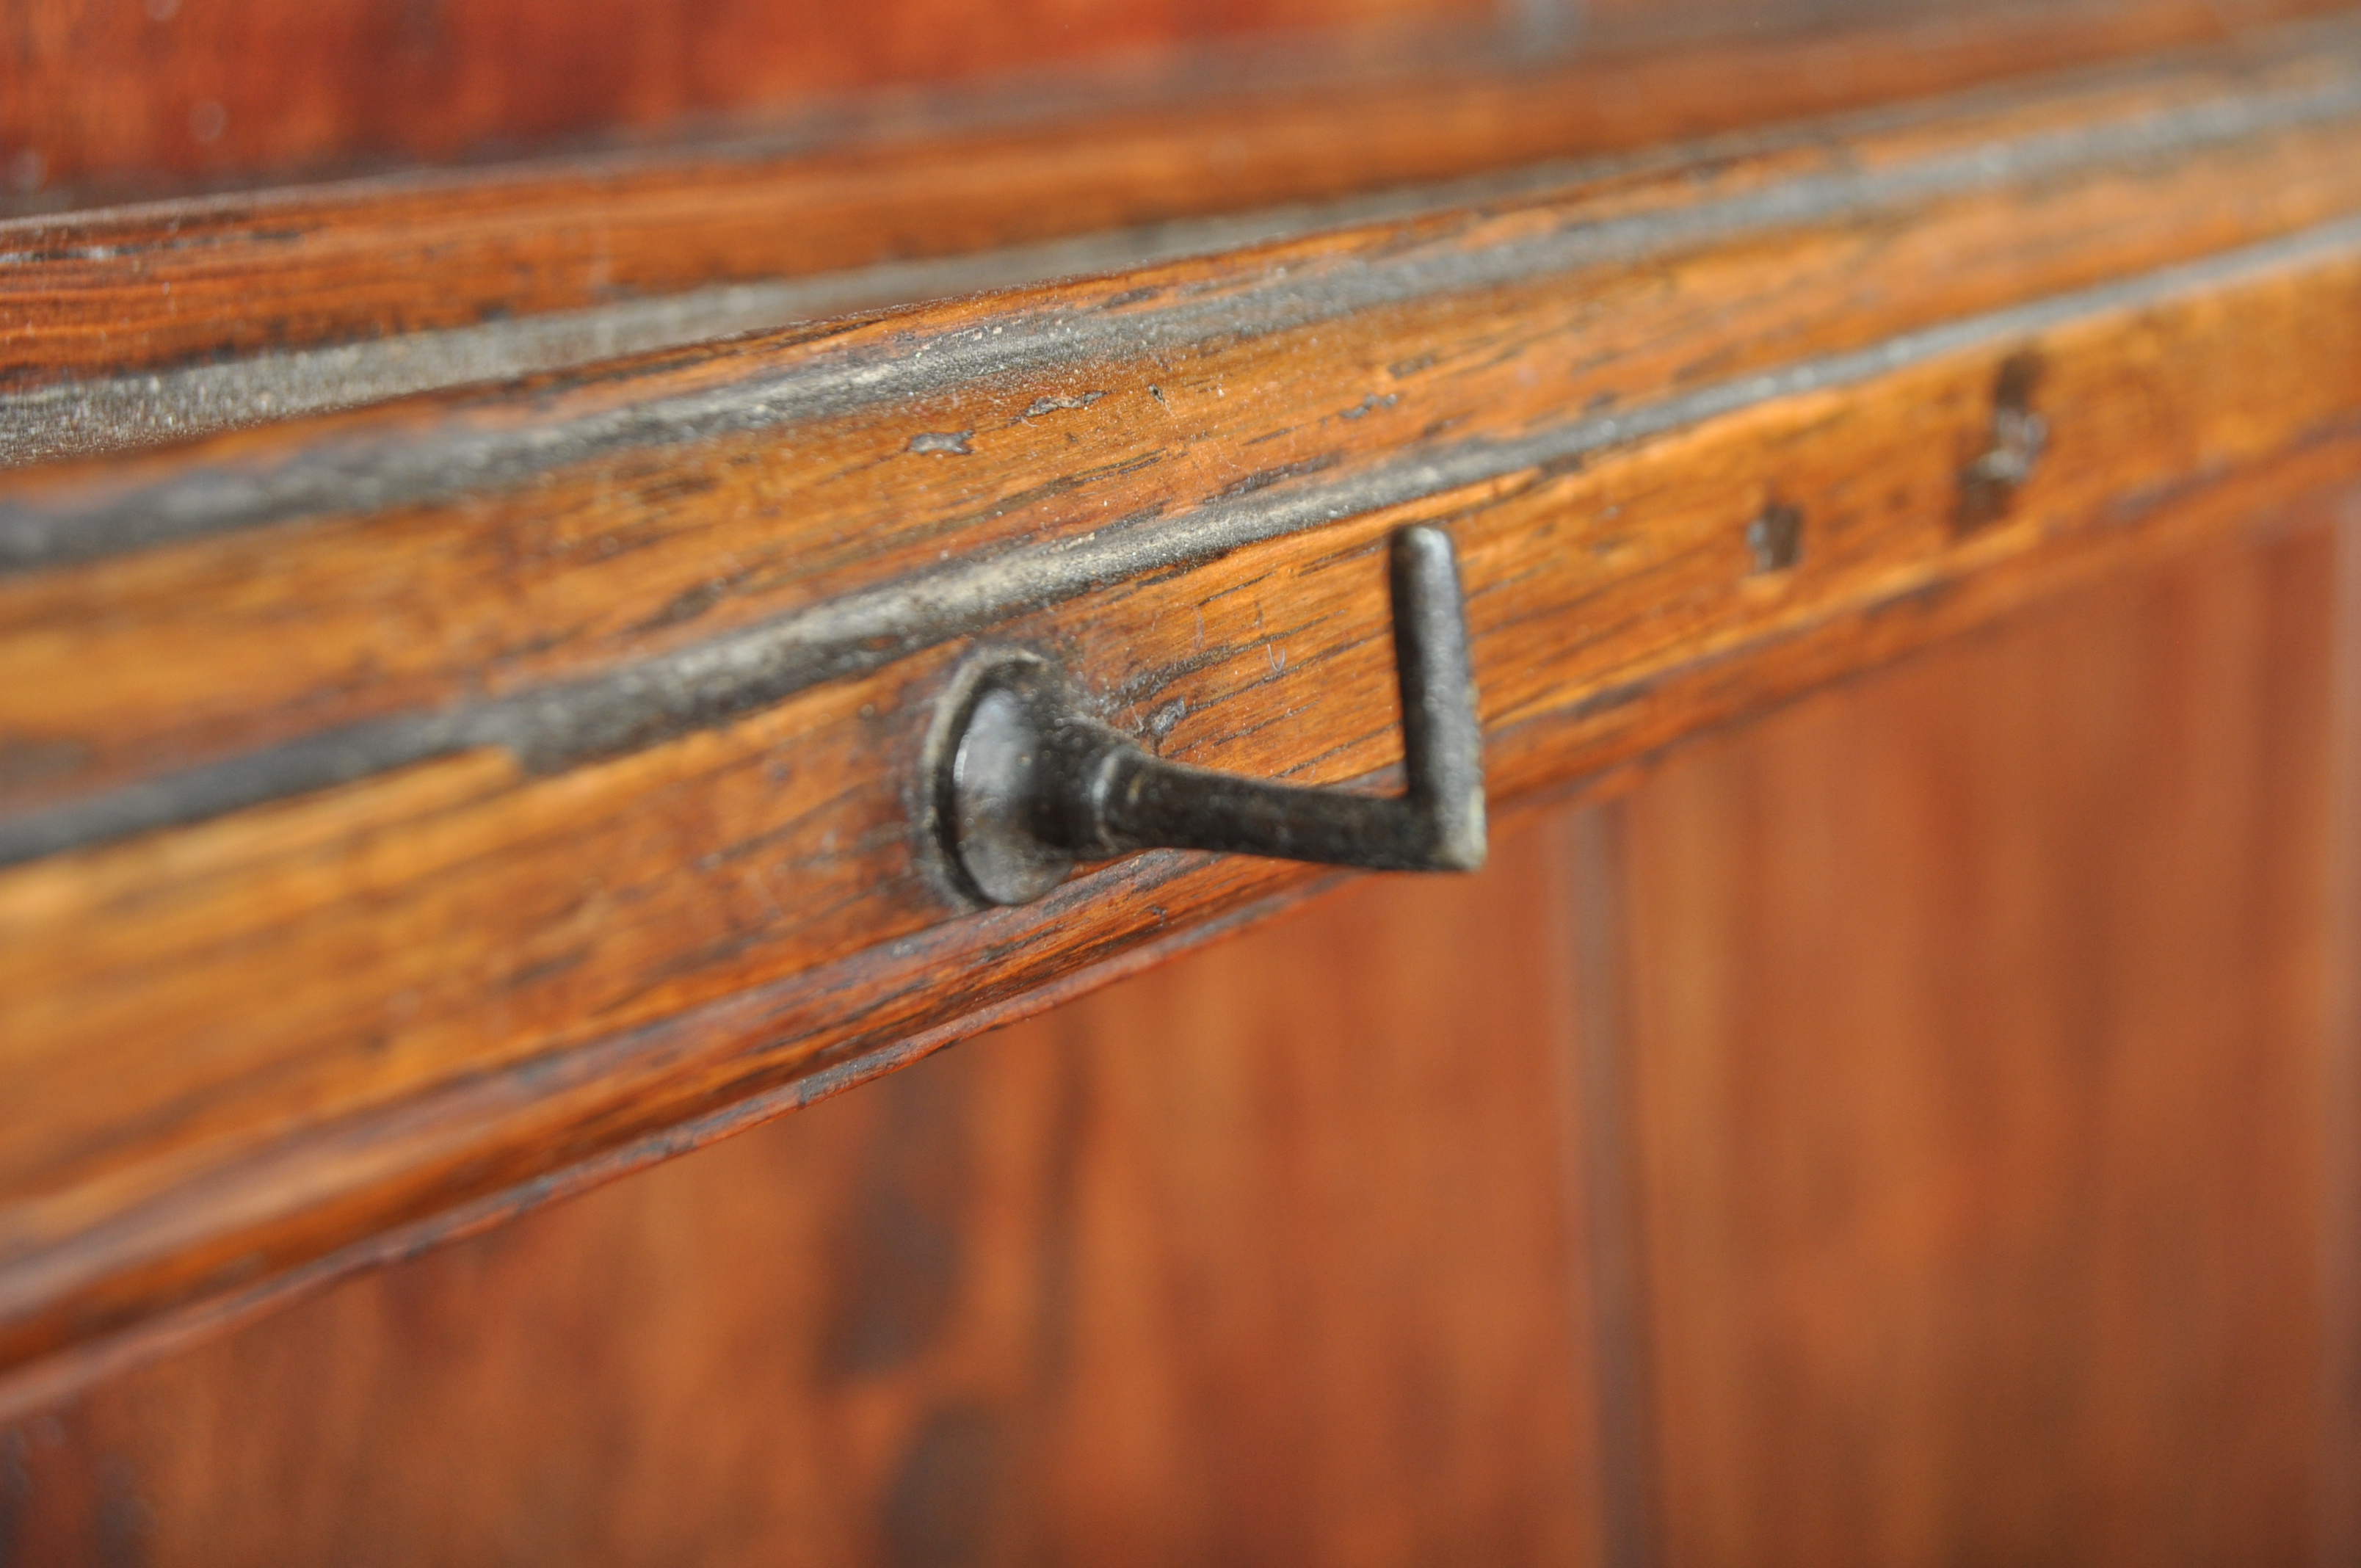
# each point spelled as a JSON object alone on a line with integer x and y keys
{"x": 1980, "y": 1056}
{"x": 163, "y": 88}
{"x": 129, "y": 291}
{"x": 1274, "y": 1256}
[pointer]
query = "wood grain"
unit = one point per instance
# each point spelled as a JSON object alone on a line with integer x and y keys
{"x": 1980, "y": 1062}
{"x": 546, "y": 757}
{"x": 1272, "y": 1256}
{"x": 573, "y": 528}
{"x": 536, "y": 265}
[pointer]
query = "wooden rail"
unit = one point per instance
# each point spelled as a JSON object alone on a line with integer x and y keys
{"x": 115, "y": 324}
{"x": 413, "y": 811}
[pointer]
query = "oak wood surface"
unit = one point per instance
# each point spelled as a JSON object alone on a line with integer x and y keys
{"x": 558, "y": 794}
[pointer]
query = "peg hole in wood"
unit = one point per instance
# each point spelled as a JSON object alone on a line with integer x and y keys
{"x": 1776, "y": 537}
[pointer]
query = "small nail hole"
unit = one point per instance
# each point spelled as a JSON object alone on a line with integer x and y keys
{"x": 1776, "y": 537}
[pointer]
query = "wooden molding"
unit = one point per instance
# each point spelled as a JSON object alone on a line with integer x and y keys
{"x": 115, "y": 324}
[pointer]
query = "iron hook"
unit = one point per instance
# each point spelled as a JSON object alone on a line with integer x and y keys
{"x": 1030, "y": 784}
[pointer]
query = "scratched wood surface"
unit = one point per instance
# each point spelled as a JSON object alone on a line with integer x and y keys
{"x": 545, "y": 756}
{"x": 528, "y": 265}
{"x": 1896, "y": 1131}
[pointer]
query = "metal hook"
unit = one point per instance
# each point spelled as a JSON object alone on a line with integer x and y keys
{"x": 1030, "y": 784}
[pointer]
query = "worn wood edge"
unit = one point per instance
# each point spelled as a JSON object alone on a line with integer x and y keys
{"x": 2209, "y": 199}
{"x": 1547, "y": 112}
{"x": 91, "y": 418}
{"x": 1055, "y": 519}
{"x": 707, "y": 683}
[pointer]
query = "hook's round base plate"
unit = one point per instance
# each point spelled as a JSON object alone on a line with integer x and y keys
{"x": 992, "y": 779}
